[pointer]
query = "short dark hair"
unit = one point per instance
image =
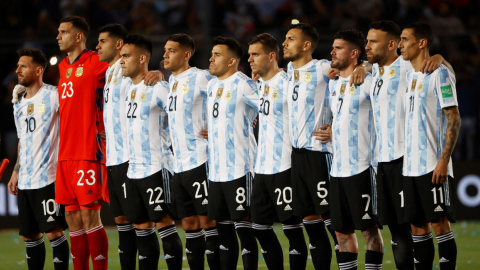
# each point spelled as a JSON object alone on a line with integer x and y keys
{"x": 38, "y": 57}
{"x": 268, "y": 42}
{"x": 309, "y": 32}
{"x": 391, "y": 28}
{"x": 114, "y": 30}
{"x": 232, "y": 44}
{"x": 79, "y": 23}
{"x": 354, "y": 38}
{"x": 140, "y": 41}
{"x": 422, "y": 30}
{"x": 184, "y": 40}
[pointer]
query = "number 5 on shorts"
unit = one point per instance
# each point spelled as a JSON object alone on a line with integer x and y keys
{"x": 89, "y": 181}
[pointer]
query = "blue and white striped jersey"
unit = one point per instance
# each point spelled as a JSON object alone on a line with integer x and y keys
{"x": 308, "y": 104}
{"x": 187, "y": 104}
{"x": 274, "y": 146}
{"x": 231, "y": 108}
{"x": 388, "y": 98}
{"x": 114, "y": 115}
{"x": 352, "y": 127}
{"x": 147, "y": 129}
{"x": 426, "y": 124}
{"x": 37, "y": 122}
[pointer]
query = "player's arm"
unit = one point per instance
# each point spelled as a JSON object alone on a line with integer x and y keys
{"x": 250, "y": 95}
{"x": 323, "y": 134}
{"x": 13, "y": 184}
{"x": 430, "y": 64}
{"x": 358, "y": 76}
{"x": 152, "y": 77}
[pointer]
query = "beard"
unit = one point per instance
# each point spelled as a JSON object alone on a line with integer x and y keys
{"x": 24, "y": 81}
{"x": 376, "y": 58}
{"x": 339, "y": 64}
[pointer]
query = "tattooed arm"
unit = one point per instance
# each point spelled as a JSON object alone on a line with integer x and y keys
{"x": 440, "y": 173}
{"x": 13, "y": 184}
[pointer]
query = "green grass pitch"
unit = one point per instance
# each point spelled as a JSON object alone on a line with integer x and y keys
{"x": 12, "y": 250}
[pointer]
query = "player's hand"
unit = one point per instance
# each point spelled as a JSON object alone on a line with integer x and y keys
{"x": 430, "y": 64}
{"x": 358, "y": 76}
{"x": 103, "y": 135}
{"x": 204, "y": 133}
{"x": 153, "y": 77}
{"x": 440, "y": 174}
{"x": 255, "y": 77}
{"x": 13, "y": 184}
{"x": 323, "y": 134}
{"x": 254, "y": 123}
{"x": 332, "y": 73}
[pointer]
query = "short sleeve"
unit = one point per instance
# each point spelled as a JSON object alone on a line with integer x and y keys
{"x": 205, "y": 77}
{"x": 161, "y": 94}
{"x": 445, "y": 88}
{"x": 250, "y": 94}
{"x": 17, "y": 123}
{"x": 325, "y": 66}
{"x": 367, "y": 85}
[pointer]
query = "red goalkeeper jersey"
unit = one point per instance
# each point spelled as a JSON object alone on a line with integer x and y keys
{"x": 81, "y": 108}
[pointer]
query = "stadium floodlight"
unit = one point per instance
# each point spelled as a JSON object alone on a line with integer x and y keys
{"x": 53, "y": 60}
{"x": 295, "y": 21}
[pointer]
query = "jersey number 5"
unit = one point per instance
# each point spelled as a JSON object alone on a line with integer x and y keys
{"x": 67, "y": 90}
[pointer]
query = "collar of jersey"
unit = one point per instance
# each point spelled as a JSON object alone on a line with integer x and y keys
{"x": 184, "y": 73}
{"x": 229, "y": 78}
{"x": 78, "y": 57}
{"x": 306, "y": 66}
{"x": 273, "y": 78}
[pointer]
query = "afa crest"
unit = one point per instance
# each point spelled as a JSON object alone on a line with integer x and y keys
{"x": 41, "y": 108}
{"x": 228, "y": 96}
{"x": 308, "y": 77}
{"x": 185, "y": 87}
{"x": 392, "y": 72}
{"x": 352, "y": 89}
{"x": 79, "y": 72}
{"x": 275, "y": 95}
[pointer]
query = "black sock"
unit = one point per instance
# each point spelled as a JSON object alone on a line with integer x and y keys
{"x": 36, "y": 254}
{"x": 195, "y": 248}
{"x": 424, "y": 251}
{"x": 320, "y": 248}
{"x": 127, "y": 246}
{"x": 402, "y": 246}
{"x": 298, "y": 252}
{"x": 347, "y": 260}
{"x": 172, "y": 247}
{"x": 61, "y": 252}
{"x": 148, "y": 248}
{"x": 328, "y": 224}
{"x": 228, "y": 244}
{"x": 447, "y": 251}
{"x": 211, "y": 248}
{"x": 373, "y": 260}
{"x": 249, "y": 247}
{"x": 271, "y": 248}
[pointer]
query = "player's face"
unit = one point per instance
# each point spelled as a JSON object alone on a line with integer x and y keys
{"x": 219, "y": 60}
{"x": 174, "y": 55}
{"x": 259, "y": 60}
{"x": 377, "y": 45}
{"x": 27, "y": 71}
{"x": 107, "y": 47}
{"x": 130, "y": 60}
{"x": 293, "y": 45}
{"x": 67, "y": 36}
{"x": 409, "y": 46}
{"x": 340, "y": 54}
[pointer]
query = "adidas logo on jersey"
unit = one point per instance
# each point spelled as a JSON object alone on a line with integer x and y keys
{"x": 443, "y": 260}
{"x": 294, "y": 252}
{"x": 56, "y": 260}
{"x": 99, "y": 257}
{"x": 50, "y": 219}
{"x": 90, "y": 192}
{"x": 245, "y": 251}
{"x": 287, "y": 208}
{"x": 311, "y": 247}
{"x": 240, "y": 208}
{"x": 158, "y": 208}
{"x": 334, "y": 93}
{"x": 73, "y": 257}
{"x": 223, "y": 248}
{"x": 415, "y": 260}
{"x": 210, "y": 94}
{"x": 263, "y": 251}
{"x": 337, "y": 247}
{"x": 205, "y": 202}
{"x": 324, "y": 202}
{"x": 438, "y": 209}
{"x": 366, "y": 216}
{"x": 140, "y": 257}
{"x": 187, "y": 251}
{"x": 208, "y": 252}
{"x": 120, "y": 251}
{"x": 30, "y": 258}
{"x": 393, "y": 243}
{"x": 168, "y": 256}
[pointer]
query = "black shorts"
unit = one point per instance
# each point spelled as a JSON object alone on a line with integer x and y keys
{"x": 230, "y": 200}
{"x": 353, "y": 201}
{"x": 149, "y": 198}
{"x": 117, "y": 188}
{"x": 38, "y": 212}
{"x": 422, "y": 204}
{"x": 272, "y": 197}
{"x": 310, "y": 182}
{"x": 191, "y": 192}
{"x": 391, "y": 201}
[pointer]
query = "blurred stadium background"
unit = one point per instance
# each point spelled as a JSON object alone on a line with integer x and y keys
{"x": 456, "y": 25}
